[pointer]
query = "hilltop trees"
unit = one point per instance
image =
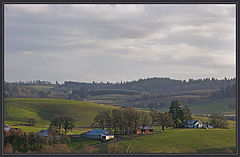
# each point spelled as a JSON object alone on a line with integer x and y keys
{"x": 179, "y": 115}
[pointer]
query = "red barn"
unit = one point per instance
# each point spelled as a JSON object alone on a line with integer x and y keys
{"x": 145, "y": 129}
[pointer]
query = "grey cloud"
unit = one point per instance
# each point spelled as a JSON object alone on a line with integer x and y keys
{"x": 112, "y": 42}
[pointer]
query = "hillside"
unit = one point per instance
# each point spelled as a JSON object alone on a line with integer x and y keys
{"x": 212, "y": 141}
{"x": 43, "y": 110}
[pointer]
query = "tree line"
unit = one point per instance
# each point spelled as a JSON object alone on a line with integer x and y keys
{"x": 128, "y": 120}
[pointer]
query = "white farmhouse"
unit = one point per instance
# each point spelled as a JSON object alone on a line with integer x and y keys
{"x": 193, "y": 124}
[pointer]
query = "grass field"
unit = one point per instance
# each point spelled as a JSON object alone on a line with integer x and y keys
{"x": 44, "y": 110}
{"x": 183, "y": 141}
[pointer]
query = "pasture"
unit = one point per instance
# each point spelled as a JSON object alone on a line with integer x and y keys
{"x": 43, "y": 110}
{"x": 183, "y": 141}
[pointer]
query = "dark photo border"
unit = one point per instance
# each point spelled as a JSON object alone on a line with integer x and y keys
{"x": 120, "y": 2}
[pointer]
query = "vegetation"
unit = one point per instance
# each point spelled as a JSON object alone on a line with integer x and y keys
{"x": 179, "y": 114}
{"x": 61, "y": 125}
{"x": 121, "y": 120}
{"x": 218, "y": 121}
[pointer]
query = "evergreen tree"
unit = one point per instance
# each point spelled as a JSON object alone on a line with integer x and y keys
{"x": 187, "y": 114}
{"x": 177, "y": 113}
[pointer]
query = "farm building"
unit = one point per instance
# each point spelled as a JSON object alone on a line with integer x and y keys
{"x": 6, "y": 127}
{"x": 99, "y": 134}
{"x": 43, "y": 133}
{"x": 193, "y": 124}
{"x": 144, "y": 129}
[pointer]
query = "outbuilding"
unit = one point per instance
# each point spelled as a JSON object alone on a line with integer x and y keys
{"x": 101, "y": 134}
{"x": 142, "y": 129}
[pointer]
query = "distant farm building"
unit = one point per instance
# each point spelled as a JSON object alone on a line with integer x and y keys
{"x": 99, "y": 134}
{"x": 6, "y": 127}
{"x": 193, "y": 124}
{"x": 43, "y": 133}
{"x": 144, "y": 129}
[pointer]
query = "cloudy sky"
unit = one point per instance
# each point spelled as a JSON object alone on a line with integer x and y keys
{"x": 119, "y": 42}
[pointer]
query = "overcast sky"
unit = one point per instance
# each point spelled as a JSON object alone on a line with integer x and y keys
{"x": 119, "y": 42}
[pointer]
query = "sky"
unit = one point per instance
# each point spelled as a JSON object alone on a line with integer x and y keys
{"x": 93, "y": 42}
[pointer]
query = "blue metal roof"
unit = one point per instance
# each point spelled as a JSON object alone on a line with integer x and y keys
{"x": 146, "y": 127}
{"x": 98, "y": 132}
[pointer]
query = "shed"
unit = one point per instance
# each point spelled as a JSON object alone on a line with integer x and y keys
{"x": 99, "y": 134}
{"x": 142, "y": 129}
{"x": 6, "y": 127}
{"x": 43, "y": 133}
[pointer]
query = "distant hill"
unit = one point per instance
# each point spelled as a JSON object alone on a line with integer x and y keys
{"x": 150, "y": 93}
{"x": 43, "y": 110}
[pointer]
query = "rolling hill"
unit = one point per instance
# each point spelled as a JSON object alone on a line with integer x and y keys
{"x": 43, "y": 110}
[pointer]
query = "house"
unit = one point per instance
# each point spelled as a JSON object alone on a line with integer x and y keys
{"x": 207, "y": 125}
{"x": 142, "y": 129}
{"x": 98, "y": 134}
{"x": 6, "y": 127}
{"x": 43, "y": 133}
{"x": 193, "y": 124}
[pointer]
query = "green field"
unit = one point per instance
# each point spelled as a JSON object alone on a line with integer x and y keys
{"x": 210, "y": 106}
{"x": 44, "y": 110}
{"x": 183, "y": 141}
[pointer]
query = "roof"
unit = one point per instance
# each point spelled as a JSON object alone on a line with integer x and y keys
{"x": 192, "y": 122}
{"x": 43, "y": 132}
{"x": 146, "y": 127}
{"x": 99, "y": 132}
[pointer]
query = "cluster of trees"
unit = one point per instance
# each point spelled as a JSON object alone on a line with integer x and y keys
{"x": 12, "y": 90}
{"x": 179, "y": 114}
{"x": 61, "y": 126}
{"x": 219, "y": 121}
{"x": 123, "y": 121}
{"x": 127, "y": 120}
{"x": 155, "y": 85}
{"x": 16, "y": 141}
{"x": 228, "y": 91}
{"x": 34, "y": 82}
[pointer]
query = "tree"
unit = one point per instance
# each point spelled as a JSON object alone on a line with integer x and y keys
{"x": 58, "y": 123}
{"x": 68, "y": 124}
{"x": 65, "y": 123}
{"x": 164, "y": 119}
{"x": 32, "y": 121}
{"x": 99, "y": 120}
{"x": 177, "y": 113}
{"x": 153, "y": 114}
{"x": 187, "y": 114}
{"x": 144, "y": 119}
{"x": 218, "y": 121}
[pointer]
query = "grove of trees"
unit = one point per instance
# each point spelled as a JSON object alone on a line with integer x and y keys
{"x": 179, "y": 114}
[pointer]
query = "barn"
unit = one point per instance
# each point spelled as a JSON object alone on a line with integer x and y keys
{"x": 98, "y": 134}
{"x": 145, "y": 129}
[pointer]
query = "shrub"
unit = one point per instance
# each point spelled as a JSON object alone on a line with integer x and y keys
{"x": 8, "y": 148}
{"x": 115, "y": 148}
{"x": 89, "y": 149}
{"x": 219, "y": 121}
{"x": 58, "y": 148}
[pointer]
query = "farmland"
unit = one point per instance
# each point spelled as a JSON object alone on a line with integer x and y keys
{"x": 43, "y": 110}
{"x": 170, "y": 141}
{"x": 183, "y": 141}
